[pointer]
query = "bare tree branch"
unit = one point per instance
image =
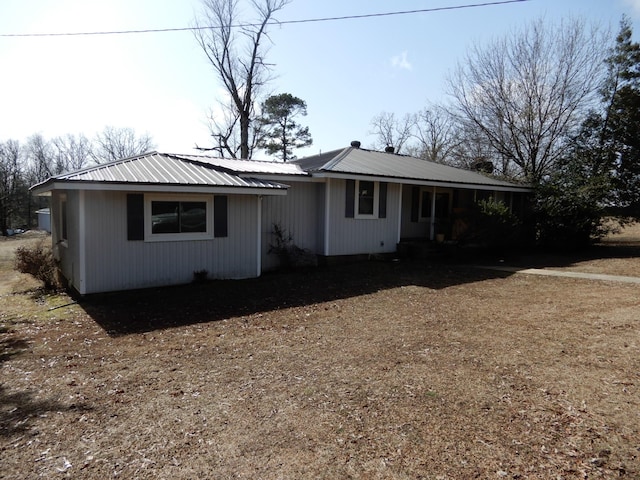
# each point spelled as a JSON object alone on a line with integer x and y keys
{"x": 239, "y": 65}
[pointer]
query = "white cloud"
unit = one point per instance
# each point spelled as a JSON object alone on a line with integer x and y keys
{"x": 401, "y": 62}
{"x": 634, "y": 5}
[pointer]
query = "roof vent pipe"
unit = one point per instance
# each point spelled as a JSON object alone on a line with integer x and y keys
{"x": 389, "y": 149}
{"x": 355, "y": 144}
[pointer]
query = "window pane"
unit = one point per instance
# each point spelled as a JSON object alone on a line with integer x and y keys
{"x": 425, "y": 205}
{"x": 442, "y": 205}
{"x": 164, "y": 217}
{"x": 365, "y": 198}
{"x": 193, "y": 217}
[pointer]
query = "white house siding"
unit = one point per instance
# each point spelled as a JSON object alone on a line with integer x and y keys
{"x": 297, "y": 213}
{"x": 67, "y": 252}
{"x": 353, "y": 236}
{"x": 115, "y": 263}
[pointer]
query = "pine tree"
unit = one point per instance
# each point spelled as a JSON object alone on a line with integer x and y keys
{"x": 621, "y": 120}
{"x": 281, "y": 132}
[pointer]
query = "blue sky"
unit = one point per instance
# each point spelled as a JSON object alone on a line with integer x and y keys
{"x": 160, "y": 83}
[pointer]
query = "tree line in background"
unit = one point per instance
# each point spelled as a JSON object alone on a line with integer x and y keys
{"x": 553, "y": 106}
{"x": 556, "y": 107}
{"x": 25, "y": 164}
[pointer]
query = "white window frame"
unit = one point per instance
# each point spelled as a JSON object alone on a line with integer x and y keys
{"x": 149, "y": 236}
{"x": 376, "y": 201}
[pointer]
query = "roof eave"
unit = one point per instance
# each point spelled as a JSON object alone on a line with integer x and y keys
{"x": 45, "y": 188}
{"x": 425, "y": 182}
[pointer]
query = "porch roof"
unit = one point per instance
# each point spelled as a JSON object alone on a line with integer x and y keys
{"x": 358, "y": 161}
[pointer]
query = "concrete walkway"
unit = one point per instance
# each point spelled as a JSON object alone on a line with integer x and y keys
{"x": 563, "y": 273}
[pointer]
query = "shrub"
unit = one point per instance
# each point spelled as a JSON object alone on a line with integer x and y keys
{"x": 291, "y": 256}
{"x": 491, "y": 224}
{"x": 38, "y": 261}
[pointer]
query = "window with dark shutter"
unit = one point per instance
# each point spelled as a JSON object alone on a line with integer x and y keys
{"x": 382, "y": 200}
{"x": 135, "y": 216}
{"x": 350, "y": 202}
{"x": 220, "y": 216}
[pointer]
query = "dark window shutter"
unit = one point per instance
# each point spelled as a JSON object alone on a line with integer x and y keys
{"x": 135, "y": 216}
{"x": 382, "y": 200}
{"x": 415, "y": 203}
{"x": 350, "y": 201}
{"x": 220, "y": 216}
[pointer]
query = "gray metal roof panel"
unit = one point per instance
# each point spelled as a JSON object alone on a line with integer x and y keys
{"x": 367, "y": 162}
{"x": 158, "y": 168}
{"x": 242, "y": 166}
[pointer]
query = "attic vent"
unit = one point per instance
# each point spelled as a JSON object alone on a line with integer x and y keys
{"x": 355, "y": 144}
{"x": 389, "y": 149}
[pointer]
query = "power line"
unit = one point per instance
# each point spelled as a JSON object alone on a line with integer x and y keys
{"x": 285, "y": 22}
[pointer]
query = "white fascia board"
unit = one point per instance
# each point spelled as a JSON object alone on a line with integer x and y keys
{"x": 143, "y": 187}
{"x": 426, "y": 183}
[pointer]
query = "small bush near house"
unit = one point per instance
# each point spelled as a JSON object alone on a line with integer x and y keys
{"x": 291, "y": 256}
{"x": 491, "y": 224}
{"x": 38, "y": 261}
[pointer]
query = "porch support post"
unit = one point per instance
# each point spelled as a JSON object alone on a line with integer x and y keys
{"x": 399, "y": 215}
{"x": 432, "y": 230}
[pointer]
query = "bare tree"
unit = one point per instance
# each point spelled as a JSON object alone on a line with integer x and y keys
{"x": 39, "y": 159}
{"x": 10, "y": 183}
{"x": 72, "y": 152}
{"x": 117, "y": 143}
{"x": 236, "y": 50}
{"x": 434, "y": 134}
{"x": 527, "y": 93}
{"x": 391, "y": 131}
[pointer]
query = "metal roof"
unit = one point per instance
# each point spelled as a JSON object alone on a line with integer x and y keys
{"x": 379, "y": 164}
{"x": 246, "y": 166}
{"x": 160, "y": 169}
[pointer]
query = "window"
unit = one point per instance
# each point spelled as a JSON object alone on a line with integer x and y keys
{"x": 425, "y": 205}
{"x": 422, "y": 203}
{"x": 178, "y": 218}
{"x": 365, "y": 199}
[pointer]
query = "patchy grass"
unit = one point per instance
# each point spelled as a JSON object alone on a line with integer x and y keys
{"x": 376, "y": 370}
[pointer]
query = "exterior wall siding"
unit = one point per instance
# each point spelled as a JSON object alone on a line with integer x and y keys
{"x": 297, "y": 213}
{"x": 354, "y": 236}
{"x": 115, "y": 263}
{"x": 67, "y": 252}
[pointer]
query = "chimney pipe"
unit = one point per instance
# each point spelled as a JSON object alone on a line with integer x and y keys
{"x": 389, "y": 149}
{"x": 355, "y": 144}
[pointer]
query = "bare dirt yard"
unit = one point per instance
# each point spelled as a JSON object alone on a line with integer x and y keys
{"x": 377, "y": 370}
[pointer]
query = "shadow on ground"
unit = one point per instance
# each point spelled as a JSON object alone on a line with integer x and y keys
{"x": 20, "y": 407}
{"x": 152, "y": 309}
{"x": 540, "y": 258}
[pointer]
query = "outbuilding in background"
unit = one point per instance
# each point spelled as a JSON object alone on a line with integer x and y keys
{"x": 44, "y": 219}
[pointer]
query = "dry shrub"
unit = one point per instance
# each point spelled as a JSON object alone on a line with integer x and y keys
{"x": 38, "y": 261}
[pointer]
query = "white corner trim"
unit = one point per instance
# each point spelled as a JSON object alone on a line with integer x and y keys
{"x": 327, "y": 215}
{"x": 82, "y": 244}
{"x": 259, "y": 239}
